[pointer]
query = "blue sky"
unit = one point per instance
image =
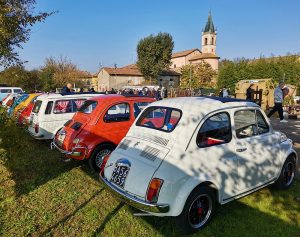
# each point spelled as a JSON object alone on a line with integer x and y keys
{"x": 90, "y": 32}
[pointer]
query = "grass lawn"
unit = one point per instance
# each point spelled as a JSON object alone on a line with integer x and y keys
{"x": 42, "y": 196}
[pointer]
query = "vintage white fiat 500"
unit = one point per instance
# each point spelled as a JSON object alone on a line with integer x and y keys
{"x": 184, "y": 155}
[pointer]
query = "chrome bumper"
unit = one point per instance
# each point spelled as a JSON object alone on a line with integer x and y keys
{"x": 35, "y": 136}
{"x": 71, "y": 153}
{"x": 134, "y": 201}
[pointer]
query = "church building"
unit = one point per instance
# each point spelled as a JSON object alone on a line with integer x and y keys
{"x": 196, "y": 56}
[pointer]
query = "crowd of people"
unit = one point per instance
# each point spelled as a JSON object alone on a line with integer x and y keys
{"x": 161, "y": 92}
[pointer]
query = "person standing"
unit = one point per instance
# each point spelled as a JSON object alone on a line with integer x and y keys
{"x": 249, "y": 92}
{"x": 225, "y": 92}
{"x": 278, "y": 100}
{"x": 66, "y": 89}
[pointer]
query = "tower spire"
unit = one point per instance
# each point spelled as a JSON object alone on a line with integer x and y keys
{"x": 209, "y": 27}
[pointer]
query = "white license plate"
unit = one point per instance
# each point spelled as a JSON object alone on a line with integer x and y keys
{"x": 119, "y": 175}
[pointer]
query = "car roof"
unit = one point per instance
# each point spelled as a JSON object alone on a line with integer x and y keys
{"x": 204, "y": 104}
{"x": 10, "y": 87}
{"x": 120, "y": 97}
{"x": 65, "y": 96}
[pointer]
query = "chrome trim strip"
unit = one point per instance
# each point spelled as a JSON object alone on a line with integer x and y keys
{"x": 134, "y": 201}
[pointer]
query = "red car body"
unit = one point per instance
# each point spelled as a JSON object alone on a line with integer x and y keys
{"x": 24, "y": 116}
{"x": 98, "y": 127}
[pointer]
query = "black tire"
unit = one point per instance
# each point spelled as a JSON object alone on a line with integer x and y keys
{"x": 190, "y": 221}
{"x": 98, "y": 154}
{"x": 287, "y": 174}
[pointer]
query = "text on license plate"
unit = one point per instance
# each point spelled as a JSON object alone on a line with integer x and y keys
{"x": 119, "y": 175}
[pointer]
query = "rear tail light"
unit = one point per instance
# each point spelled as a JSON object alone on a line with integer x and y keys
{"x": 102, "y": 167}
{"x": 36, "y": 128}
{"x": 153, "y": 190}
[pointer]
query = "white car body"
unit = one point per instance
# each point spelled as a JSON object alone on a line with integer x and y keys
{"x": 233, "y": 169}
{"x": 4, "y": 91}
{"x": 46, "y": 122}
{"x": 8, "y": 98}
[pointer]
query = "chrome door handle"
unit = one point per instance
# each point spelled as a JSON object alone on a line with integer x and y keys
{"x": 241, "y": 149}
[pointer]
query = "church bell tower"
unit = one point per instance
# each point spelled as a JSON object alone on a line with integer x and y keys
{"x": 209, "y": 37}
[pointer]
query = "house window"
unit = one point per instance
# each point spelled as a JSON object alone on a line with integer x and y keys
{"x": 205, "y": 41}
{"x": 174, "y": 65}
{"x": 212, "y": 41}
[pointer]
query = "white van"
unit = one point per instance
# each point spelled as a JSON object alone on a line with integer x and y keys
{"x": 4, "y": 91}
{"x": 52, "y": 111}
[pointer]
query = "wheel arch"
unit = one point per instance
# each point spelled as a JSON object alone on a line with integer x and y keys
{"x": 100, "y": 144}
{"x": 194, "y": 185}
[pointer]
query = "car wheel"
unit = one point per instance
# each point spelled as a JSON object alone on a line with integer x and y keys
{"x": 98, "y": 154}
{"x": 287, "y": 174}
{"x": 198, "y": 210}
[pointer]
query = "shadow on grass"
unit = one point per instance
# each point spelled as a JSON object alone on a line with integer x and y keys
{"x": 63, "y": 220}
{"x": 108, "y": 218}
{"x": 239, "y": 219}
{"x": 31, "y": 163}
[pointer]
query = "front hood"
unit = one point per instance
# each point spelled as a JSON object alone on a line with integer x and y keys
{"x": 143, "y": 158}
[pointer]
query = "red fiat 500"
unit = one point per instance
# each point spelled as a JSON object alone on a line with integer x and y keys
{"x": 98, "y": 127}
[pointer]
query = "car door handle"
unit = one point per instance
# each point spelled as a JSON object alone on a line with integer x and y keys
{"x": 241, "y": 149}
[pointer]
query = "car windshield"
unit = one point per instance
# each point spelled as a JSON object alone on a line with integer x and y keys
{"x": 160, "y": 118}
{"x": 37, "y": 106}
{"x": 88, "y": 106}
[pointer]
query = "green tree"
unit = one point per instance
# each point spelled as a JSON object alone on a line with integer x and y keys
{"x": 154, "y": 55}
{"x": 56, "y": 73}
{"x": 18, "y": 76}
{"x": 16, "y": 19}
{"x": 279, "y": 68}
{"x": 196, "y": 76}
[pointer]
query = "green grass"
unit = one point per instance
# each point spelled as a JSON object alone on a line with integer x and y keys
{"x": 42, "y": 196}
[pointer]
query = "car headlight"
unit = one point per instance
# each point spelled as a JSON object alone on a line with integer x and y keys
{"x": 283, "y": 137}
{"x": 76, "y": 140}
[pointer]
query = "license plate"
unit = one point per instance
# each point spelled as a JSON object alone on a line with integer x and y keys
{"x": 119, "y": 175}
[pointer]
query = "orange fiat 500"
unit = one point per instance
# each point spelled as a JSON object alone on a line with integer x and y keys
{"x": 98, "y": 127}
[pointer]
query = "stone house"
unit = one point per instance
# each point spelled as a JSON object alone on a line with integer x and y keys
{"x": 130, "y": 75}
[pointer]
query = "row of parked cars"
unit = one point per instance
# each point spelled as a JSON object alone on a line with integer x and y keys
{"x": 176, "y": 157}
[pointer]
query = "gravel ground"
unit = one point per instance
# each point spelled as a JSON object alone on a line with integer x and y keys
{"x": 292, "y": 130}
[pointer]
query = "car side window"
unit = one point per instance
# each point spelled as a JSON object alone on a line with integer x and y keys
{"x": 138, "y": 107}
{"x": 77, "y": 104}
{"x": 245, "y": 123}
{"x": 49, "y": 107}
{"x": 117, "y": 113}
{"x": 262, "y": 125}
{"x": 5, "y": 90}
{"x": 215, "y": 130}
{"x": 63, "y": 106}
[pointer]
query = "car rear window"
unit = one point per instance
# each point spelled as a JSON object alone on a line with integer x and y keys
{"x": 160, "y": 118}
{"x": 88, "y": 106}
{"x": 37, "y": 106}
{"x": 5, "y": 90}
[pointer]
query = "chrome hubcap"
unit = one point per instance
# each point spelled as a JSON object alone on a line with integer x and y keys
{"x": 288, "y": 173}
{"x": 200, "y": 211}
{"x": 100, "y": 156}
